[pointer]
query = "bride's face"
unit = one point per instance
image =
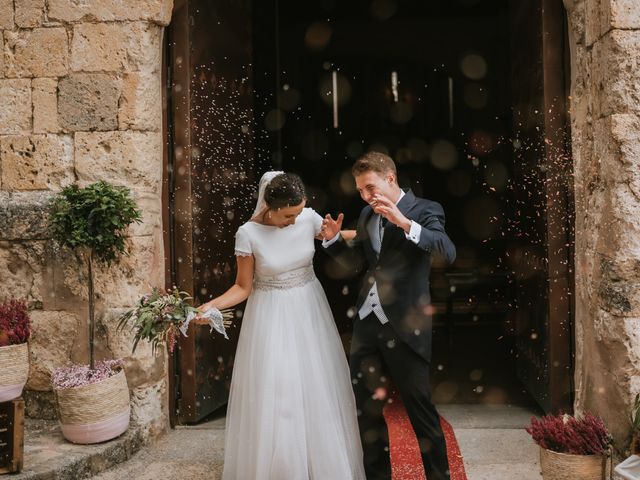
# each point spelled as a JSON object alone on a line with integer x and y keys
{"x": 283, "y": 217}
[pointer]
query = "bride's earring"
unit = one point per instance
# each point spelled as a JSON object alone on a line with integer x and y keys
{"x": 269, "y": 214}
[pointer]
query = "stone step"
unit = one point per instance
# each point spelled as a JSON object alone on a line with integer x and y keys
{"x": 196, "y": 453}
{"x": 48, "y": 456}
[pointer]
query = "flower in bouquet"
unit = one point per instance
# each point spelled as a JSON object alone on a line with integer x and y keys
{"x": 15, "y": 324}
{"x": 160, "y": 317}
{"x": 79, "y": 375}
{"x": 586, "y": 435}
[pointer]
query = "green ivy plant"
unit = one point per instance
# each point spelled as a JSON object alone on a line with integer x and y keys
{"x": 93, "y": 221}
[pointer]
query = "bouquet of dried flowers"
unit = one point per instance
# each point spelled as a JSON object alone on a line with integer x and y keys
{"x": 79, "y": 375}
{"x": 15, "y": 324}
{"x": 160, "y": 316}
{"x": 586, "y": 435}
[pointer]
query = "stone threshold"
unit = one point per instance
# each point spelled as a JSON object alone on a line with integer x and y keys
{"x": 48, "y": 456}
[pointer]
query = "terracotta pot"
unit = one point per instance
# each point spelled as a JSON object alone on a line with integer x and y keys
{"x": 94, "y": 413}
{"x": 14, "y": 372}
{"x": 563, "y": 466}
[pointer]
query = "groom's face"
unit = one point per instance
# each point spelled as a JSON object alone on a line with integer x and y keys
{"x": 370, "y": 184}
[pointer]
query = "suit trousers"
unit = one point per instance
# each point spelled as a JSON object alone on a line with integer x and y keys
{"x": 378, "y": 360}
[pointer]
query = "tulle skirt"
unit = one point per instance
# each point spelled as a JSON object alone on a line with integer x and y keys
{"x": 291, "y": 413}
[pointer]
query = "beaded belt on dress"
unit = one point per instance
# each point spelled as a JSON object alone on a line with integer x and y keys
{"x": 292, "y": 279}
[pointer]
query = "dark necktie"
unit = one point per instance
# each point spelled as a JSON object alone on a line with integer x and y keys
{"x": 383, "y": 223}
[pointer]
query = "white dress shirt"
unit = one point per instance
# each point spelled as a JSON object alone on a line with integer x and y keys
{"x": 372, "y": 302}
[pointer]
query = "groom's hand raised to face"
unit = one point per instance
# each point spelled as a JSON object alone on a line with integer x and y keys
{"x": 389, "y": 210}
{"x": 330, "y": 227}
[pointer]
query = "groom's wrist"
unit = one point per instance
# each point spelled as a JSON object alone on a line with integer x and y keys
{"x": 405, "y": 224}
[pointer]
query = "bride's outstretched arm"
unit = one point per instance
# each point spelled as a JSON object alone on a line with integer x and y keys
{"x": 239, "y": 291}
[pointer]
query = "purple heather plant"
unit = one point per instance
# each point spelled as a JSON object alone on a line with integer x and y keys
{"x": 80, "y": 375}
{"x": 586, "y": 435}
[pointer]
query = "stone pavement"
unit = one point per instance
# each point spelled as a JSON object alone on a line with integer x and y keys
{"x": 492, "y": 440}
{"x": 194, "y": 453}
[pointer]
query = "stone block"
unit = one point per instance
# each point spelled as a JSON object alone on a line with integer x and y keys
{"x": 605, "y": 15}
{"x": 617, "y": 153}
{"x": 98, "y": 47}
{"x": 151, "y": 206}
{"x": 36, "y": 162}
{"x": 1, "y": 54}
{"x": 22, "y": 271}
{"x": 144, "y": 47}
{"x": 29, "y": 13}
{"x": 593, "y": 20}
{"x": 6, "y": 14}
{"x": 623, "y": 14}
{"x": 45, "y": 105}
{"x": 132, "y": 159}
{"x": 618, "y": 295}
{"x": 51, "y": 345}
{"x": 616, "y": 73}
{"x": 23, "y": 215}
{"x": 88, "y": 101}
{"x": 15, "y": 98}
{"x": 41, "y": 52}
{"x": 156, "y": 11}
{"x": 40, "y": 404}
{"x": 141, "y": 102}
{"x": 148, "y": 408}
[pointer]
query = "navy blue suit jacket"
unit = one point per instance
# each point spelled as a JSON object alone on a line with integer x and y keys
{"x": 402, "y": 269}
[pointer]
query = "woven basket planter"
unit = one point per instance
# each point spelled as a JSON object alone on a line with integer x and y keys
{"x": 14, "y": 372}
{"x": 94, "y": 413}
{"x": 562, "y": 466}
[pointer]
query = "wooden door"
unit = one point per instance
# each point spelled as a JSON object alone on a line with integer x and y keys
{"x": 210, "y": 182}
{"x": 543, "y": 257}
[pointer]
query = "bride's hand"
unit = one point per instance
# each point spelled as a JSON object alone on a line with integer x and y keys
{"x": 201, "y": 309}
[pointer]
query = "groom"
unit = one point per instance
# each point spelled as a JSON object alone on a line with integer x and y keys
{"x": 396, "y": 236}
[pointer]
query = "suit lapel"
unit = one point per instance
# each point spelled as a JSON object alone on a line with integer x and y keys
{"x": 366, "y": 218}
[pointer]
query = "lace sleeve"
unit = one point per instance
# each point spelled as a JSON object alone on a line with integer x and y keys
{"x": 243, "y": 243}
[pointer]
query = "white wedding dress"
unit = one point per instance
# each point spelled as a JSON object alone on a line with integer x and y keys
{"x": 291, "y": 413}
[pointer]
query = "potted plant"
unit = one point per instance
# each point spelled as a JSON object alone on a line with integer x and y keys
{"x": 629, "y": 469}
{"x": 635, "y": 424}
{"x": 160, "y": 316}
{"x": 93, "y": 400}
{"x": 572, "y": 447}
{"x": 15, "y": 330}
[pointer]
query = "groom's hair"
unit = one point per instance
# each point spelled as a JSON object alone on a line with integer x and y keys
{"x": 284, "y": 190}
{"x": 374, "y": 162}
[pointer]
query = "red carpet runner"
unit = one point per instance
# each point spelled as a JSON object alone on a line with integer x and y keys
{"x": 406, "y": 463}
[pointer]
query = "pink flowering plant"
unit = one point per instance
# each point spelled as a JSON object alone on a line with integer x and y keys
{"x": 80, "y": 375}
{"x": 15, "y": 324}
{"x": 586, "y": 435}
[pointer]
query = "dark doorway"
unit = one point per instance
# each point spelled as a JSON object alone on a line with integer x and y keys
{"x": 441, "y": 88}
{"x": 449, "y": 89}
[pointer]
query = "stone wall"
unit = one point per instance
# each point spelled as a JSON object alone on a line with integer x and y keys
{"x": 605, "y": 104}
{"x": 80, "y": 91}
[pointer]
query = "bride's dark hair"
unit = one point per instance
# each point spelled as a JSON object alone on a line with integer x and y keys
{"x": 284, "y": 190}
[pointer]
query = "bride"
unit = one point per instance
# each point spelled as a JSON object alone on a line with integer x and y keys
{"x": 291, "y": 413}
